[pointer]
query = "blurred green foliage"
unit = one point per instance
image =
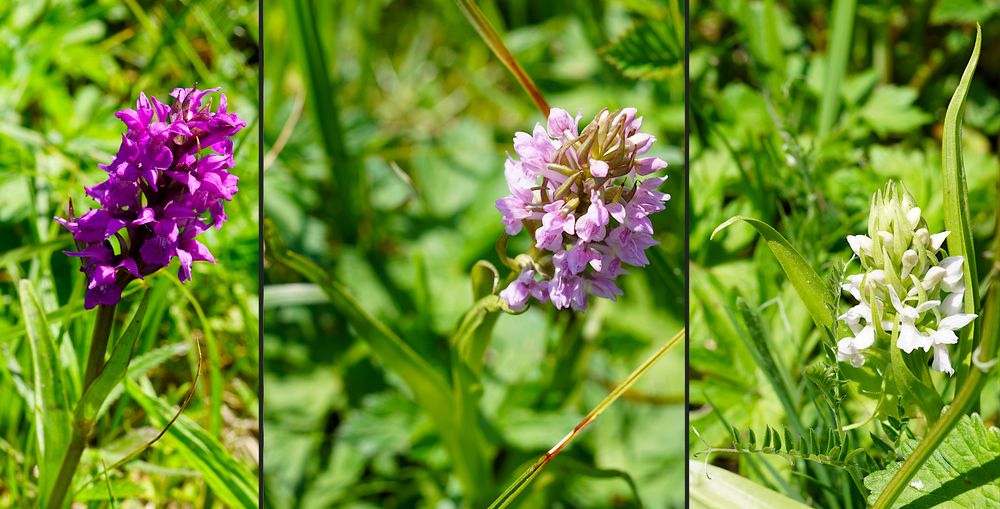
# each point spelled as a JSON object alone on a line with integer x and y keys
{"x": 387, "y": 124}
{"x": 68, "y": 66}
{"x": 799, "y": 113}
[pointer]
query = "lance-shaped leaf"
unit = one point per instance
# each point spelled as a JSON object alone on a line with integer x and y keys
{"x": 716, "y": 488}
{"x": 114, "y": 370}
{"x": 50, "y": 405}
{"x": 956, "y": 197}
{"x": 804, "y": 279}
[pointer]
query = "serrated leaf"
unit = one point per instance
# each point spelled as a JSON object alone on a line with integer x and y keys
{"x": 647, "y": 51}
{"x": 962, "y": 472}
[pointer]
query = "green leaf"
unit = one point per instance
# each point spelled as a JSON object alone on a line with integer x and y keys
{"x": 429, "y": 386}
{"x": 231, "y": 481}
{"x": 50, "y": 405}
{"x": 119, "y": 489}
{"x": 963, "y": 11}
{"x": 804, "y": 279}
{"x": 485, "y": 278}
{"x": 956, "y": 199}
{"x": 910, "y": 386}
{"x": 114, "y": 370}
{"x": 962, "y": 472}
{"x": 646, "y": 51}
{"x": 716, "y": 488}
{"x": 890, "y": 110}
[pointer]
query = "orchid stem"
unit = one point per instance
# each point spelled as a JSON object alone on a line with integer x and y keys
{"x": 78, "y": 441}
{"x": 492, "y": 39}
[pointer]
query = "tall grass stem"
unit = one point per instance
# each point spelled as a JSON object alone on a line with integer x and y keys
{"x": 492, "y": 39}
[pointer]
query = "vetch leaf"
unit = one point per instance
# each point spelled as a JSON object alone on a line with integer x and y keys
{"x": 804, "y": 279}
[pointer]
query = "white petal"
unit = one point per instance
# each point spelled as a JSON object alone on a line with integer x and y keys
{"x": 937, "y": 240}
{"x": 941, "y": 361}
{"x": 895, "y": 300}
{"x": 876, "y": 276}
{"x": 886, "y": 237}
{"x": 860, "y": 244}
{"x": 955, "y": 322}
{"x": 931, "y": 304}
{"x": 865, "y": 338}
{"x": 933, "y": 276}
{"x": 913, "y": 216}
{"x": 944, "y": 337}
{"x": 952, "y": 304}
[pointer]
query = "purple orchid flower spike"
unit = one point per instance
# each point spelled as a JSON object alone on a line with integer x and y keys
{"x": 586, "y": 196}
{"x": 167, "y": 185}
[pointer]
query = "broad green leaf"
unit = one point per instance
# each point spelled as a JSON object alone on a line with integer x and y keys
{"x": 961, "y": 474}
{"x": 114, "y": 370}
{"x": 231, "y": 481}
{"x": 890, "y": 110}
{"x": 956, "y": 198}
{"x": 647, "y": 51}
{"x": 804, "y": 279}
{"x": 716, "y": 488}
{"x": 50, "y": 403}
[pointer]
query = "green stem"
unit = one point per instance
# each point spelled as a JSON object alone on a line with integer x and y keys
{"x": 492, "y": 39}
{"x": 81, "y": 432}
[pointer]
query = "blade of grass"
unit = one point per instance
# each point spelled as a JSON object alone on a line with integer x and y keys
{"x": 840, "y": 53}
{"x": 229, "y": 479}
{"x": 522, "y": 482}
{"x": 493, "y": 40}
{"x": 322, "y": 97}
